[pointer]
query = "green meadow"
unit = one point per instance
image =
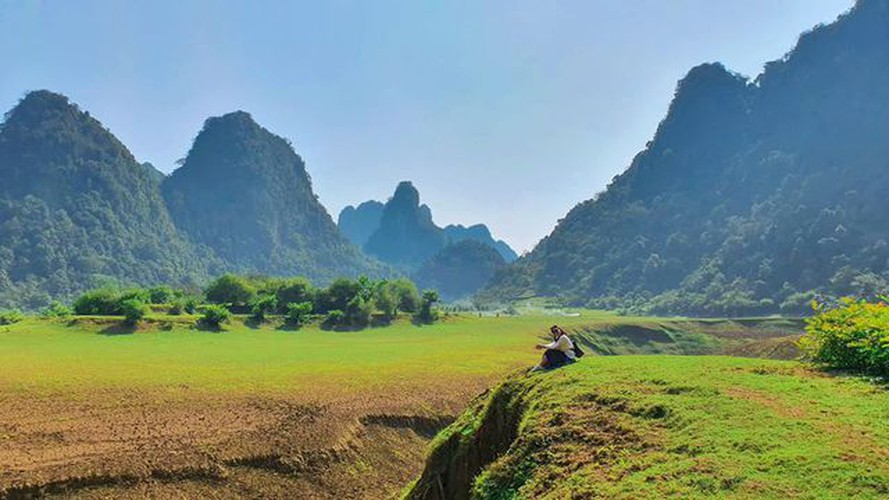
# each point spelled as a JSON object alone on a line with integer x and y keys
{"x": 168, "y": 351}
{"x": 667, "y": 426}
{"x": 653, "y": 410}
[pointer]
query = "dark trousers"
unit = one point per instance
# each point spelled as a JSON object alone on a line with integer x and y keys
{"x": 556, "y": 358}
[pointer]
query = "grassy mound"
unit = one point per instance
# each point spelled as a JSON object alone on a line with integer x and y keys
{"x": 646, "y": 427}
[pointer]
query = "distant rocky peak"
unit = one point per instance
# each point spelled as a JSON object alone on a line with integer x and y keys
{"x": 406, "y": 195}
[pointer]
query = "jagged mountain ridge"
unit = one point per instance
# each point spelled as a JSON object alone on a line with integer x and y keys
{"x": 753, "y": 196}
{"x": 361, "y": 222}
{"x": 406, "y": 235}
{"x": 459, "y": 269}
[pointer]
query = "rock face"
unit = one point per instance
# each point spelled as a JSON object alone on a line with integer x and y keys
{"x": 406, "y": 235}
{"x": 244, "y": 193}
{"x": 359, "y": 223}
{"x": 77, "y": 209}
{"x": 752, "y": 197}
{"x": 459, "y": 269}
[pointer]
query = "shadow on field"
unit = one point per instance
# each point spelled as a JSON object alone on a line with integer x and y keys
{"x": 253, "y": 323}
{"x": 289, "y": 328}
{"x": 203, "y": 327}
{"x": 118, "y": 329}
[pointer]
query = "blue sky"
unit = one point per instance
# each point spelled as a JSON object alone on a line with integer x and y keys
{"x": 503, "y": 112}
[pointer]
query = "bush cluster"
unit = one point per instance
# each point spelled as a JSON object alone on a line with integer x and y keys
{"x": 11, "y": 317}
{"x": 344, "y": 303}
{"x": 853, "y": 335}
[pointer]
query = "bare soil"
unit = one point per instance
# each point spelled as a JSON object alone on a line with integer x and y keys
{"x": 177, "y": 444}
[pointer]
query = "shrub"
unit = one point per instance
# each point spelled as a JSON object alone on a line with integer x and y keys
{"x": 214, "y": 316}
{"x": 406, "y": 294}
{"x": 57, "y": 310}
{"x": 262, "y": 306}
{"x": 427, "y": 313}
{"x": 161, "y": 295}
{"x": 297, "y": 313}
{"x": 230, "y": 289}
{"x": 334, "y": 318}
{"x": 853, "y": 335}
{"x": 386, "y": 302}
{"x": 191, "y": 305}
{"x": 358, "y": 312}
{"x": 177, "y": 307}
{"x": 133, "y": 311}
{"x": 187, "y": 305}
{"x": 11, "y": 317}
{"x": 293, "y": 291}
{"x": 108, "y": 301}
{"x": 98, "y": 302}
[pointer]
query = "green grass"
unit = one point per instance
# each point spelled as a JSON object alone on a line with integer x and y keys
{"x": 630, "y": 426}
{"x": 43, "y": 354}
{"x": 650, "y": 427}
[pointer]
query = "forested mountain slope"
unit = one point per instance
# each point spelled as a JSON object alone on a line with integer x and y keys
{"x": 77, "y": 209}
{"x": 243, "y": 192}
{"x": 753, "y": 196}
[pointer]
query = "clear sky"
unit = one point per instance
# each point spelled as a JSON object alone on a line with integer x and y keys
{"x": 507, "y": 112}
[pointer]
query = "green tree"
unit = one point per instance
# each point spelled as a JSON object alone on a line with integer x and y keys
{"x": 406, "y": 293}
{"x": 214, "y": 316}
{"x": 294, "y": 291}
{"x": 230, "y": 289}
{"x": 427, "y": 313}
{"x": 298, "y": 312}
{"x": 385, "y": 301}
{"x": 358, "y": 312}
{"x": 133, "y": 311}
{"x": 262, "y": 306}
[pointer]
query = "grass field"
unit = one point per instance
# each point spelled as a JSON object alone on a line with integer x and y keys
{"x": 94, "y": 409}
{"x": 653, "y": 427}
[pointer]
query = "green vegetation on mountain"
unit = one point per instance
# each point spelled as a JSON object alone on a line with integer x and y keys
{"x": 459, "y": 269}
{"x": 77, "y": 209}
{"x": 480, "y": 233}
{"x": 244, "y": 193}
{"x": 753, "y": 196}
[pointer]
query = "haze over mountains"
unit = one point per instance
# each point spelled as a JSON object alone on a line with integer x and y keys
{"x": 455, "y": 260}
{"x": 753, "y": 196}
{"x": 391, "y": 231}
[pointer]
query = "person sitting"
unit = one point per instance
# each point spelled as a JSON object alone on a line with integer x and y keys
{"x": 559, "y": 352}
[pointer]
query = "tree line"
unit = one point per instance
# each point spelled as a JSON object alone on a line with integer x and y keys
{"x": 345, "y": 303}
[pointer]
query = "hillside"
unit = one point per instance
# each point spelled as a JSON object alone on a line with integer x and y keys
{"x": 479, "y": 232}
{"x": 78, "y": 210}
{"x": 753, "y": 196}
{"x": 459, "y": 269}
{"x": 359, "y": 223}
{"x": 643, "y": 427}
{"x": 245, "y": 194}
